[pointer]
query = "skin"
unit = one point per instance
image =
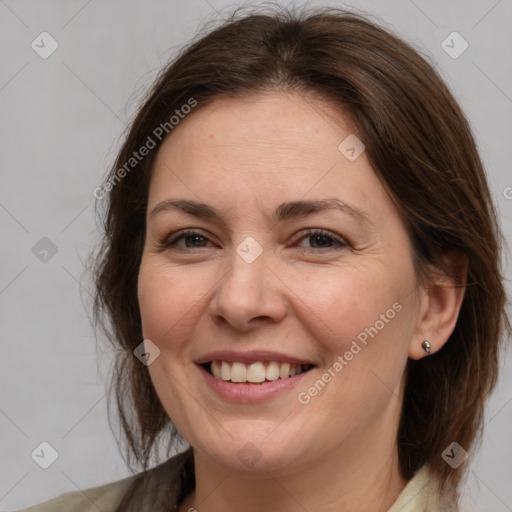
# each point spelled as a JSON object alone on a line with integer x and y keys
{"x": 302, "y": 296}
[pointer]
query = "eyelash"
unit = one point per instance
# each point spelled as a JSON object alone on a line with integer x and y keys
{"x": 170, "y": 241}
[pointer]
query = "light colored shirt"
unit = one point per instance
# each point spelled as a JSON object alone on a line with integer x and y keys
{"x": 417, "y": 496}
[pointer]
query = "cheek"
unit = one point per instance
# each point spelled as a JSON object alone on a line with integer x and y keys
{"x": 361, "y": 321}
{"x": 167, "y": 299}
{"x": 360, "y": 317}
{"x": 337, "y": 305}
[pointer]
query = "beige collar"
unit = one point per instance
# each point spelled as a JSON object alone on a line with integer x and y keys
{"x": 418, "y": 495}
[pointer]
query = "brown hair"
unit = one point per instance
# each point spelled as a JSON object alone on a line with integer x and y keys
{"x": 421, "y": 147}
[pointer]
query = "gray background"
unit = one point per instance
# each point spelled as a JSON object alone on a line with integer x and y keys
{"x": 61, "y": 121}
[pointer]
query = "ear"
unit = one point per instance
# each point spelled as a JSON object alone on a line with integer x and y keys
{"x": 441, "y": 299}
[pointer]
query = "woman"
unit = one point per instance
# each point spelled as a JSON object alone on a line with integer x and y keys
{"x": 301, "y": 267}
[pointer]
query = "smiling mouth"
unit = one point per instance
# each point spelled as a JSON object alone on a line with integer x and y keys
{"x": 254, "y": 373}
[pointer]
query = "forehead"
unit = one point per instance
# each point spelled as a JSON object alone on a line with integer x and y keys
{"x": 276, "y": 122}
{"x": 272, "y": 147}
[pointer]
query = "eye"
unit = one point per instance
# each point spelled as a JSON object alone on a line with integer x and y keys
{"x": 192, "y": 239}
{"x": 322, "y": 239}
{"x": 197, "y": 239}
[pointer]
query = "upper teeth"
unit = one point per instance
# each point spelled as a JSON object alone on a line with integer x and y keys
{"x": 254, "y": 372}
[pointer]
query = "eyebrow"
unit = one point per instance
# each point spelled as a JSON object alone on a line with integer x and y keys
{"x": 285, "y": 211}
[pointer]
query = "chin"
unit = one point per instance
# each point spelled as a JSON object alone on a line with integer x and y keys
{"x": 252, "y": 454}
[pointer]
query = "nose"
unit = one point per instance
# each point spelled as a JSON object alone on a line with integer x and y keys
{"x": 249, "y": 294}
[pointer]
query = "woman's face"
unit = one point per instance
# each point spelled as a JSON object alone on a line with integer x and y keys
{"x": 255, "y": 289}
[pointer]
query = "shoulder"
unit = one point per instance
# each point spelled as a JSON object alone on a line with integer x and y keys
{"x": 142, "y": 491}
{"x": 105, "y": 498}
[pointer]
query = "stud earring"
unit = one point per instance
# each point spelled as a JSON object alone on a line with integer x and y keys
{"x": 425, "y": 345}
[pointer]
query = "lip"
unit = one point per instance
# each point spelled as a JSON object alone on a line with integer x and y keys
{"x": 246, "y": 392}
{"x": 249, "y": 357}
